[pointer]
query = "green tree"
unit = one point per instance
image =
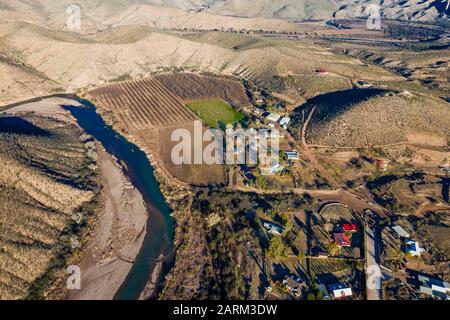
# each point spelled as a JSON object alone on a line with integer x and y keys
{"x": 277, "y": 248}
{"x": 261, "y": 182}
{"x": 272, "y": 213}
{"x": 302, "y": 256}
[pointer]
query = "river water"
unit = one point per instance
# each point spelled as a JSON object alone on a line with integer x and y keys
{"x": 159, "y": 238}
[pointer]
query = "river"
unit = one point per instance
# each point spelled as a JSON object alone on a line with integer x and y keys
{"x": 160, "y": 226}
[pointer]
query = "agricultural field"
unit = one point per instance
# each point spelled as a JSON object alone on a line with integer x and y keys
{"x": 47, "y": 175}
{"x": 322, "y": 266}
{"x": 215, "y": 113}
{"x": 143, "y": 104}
{"x": 194, "y": 174}
{"x": 148, "y": 112}
{"x": 191, "y": 87}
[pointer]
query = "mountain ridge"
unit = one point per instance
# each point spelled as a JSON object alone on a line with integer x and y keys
{"x": 53, "y": 10}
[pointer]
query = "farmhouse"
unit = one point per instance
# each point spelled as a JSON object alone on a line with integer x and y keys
{"x": 382, "y": 164}
{"x": 413, "y": 248}
{"x": 323, "y": 72}
{"x": 434, "y": 287}
{"x": 340, "y": 290}
{"x": 292, "y": 155}
{"x": 284, "y": 122}
{"x": 341, "y": 239}
{"x": 349, "y": 227}
{"x": 272, "y": 228}
{"x": 294, "y": 285}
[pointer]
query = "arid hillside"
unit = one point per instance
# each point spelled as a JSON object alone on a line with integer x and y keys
{"x": 374, "y": 117}
{"x": 47, "y": 175}
{"x": 21, "y": 82}
{"x": 192, "y": 87}
{"x": 113, "y": 55}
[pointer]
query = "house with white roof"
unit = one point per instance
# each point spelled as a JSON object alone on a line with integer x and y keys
{"x": 272, "y": 228}
{"x": 340, "y": 290}
{"x": 292, "y": 155}
{"x": 413, "y": 248}
{"x": 284, "y": 122}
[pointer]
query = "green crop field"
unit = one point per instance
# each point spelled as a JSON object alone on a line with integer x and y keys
{"x": 216, "y": 113}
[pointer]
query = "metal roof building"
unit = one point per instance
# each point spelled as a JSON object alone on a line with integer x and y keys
{"x": 434, "y": 287}
{"x": 400, "y": 232}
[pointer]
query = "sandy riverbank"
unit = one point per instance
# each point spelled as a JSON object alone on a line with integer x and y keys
{"x": 50, "y": 107}
{"x": 118, "y": 236}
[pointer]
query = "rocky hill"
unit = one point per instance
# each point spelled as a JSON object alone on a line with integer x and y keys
{"x": 100, "y": 13}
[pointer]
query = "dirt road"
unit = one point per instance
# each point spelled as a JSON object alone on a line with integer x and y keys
{"x": 373, "y": 271}
{"x": 358, "y": 204}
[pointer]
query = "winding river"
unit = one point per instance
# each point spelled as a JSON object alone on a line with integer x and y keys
{"x": 158, "y": 241}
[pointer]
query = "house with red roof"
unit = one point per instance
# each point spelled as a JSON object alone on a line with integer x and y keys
{"x": 341, "y": 239}
{"x": 349, "y": 227}
{"x": 323, "y": 72}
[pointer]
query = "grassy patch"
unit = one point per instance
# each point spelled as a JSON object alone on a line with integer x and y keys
{"x": 216, "y": 113}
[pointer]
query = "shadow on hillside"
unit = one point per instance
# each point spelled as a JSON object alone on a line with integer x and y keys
{"x": 18, "y": 125}
{"x": 332, "y": 104}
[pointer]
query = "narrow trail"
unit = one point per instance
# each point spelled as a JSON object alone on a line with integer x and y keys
{"x": 430, "y": 207}
{"x": 306, "y": 152}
